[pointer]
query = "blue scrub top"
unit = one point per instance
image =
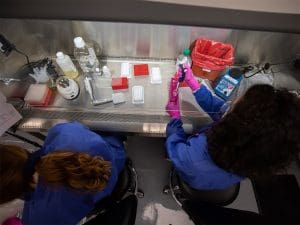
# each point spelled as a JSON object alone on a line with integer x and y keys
{"x": 48, "y": 205}
{"x": 190, "y": 155}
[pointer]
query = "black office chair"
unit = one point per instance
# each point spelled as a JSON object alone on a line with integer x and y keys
{"x": 181, "y": 192}
{"x": 278, "y": 199}
{"x": 127, "y": 183}
{"x": 126, "y": 188}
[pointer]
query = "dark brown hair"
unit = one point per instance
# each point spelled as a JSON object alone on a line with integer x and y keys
{"x": 78, "y": 171}
{"x": 12, "y": 181}
{"x": 261, "y": 134}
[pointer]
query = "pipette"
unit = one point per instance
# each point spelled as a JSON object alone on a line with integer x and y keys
{"x": 183, "y": 73}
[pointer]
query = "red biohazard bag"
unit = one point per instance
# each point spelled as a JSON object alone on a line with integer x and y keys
{"x": 210, "y": 58}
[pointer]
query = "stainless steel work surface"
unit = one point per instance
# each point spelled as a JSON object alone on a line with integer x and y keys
{"x": 149, "y": 118}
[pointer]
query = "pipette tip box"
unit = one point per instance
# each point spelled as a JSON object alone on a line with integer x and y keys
{"x": 138, "y": 95}
{"x": 155, "y": 76}
{"x": 125, "y": 70}
{"x": 38, "y": 95}
{"x": 141, "y": 70}
{"x": 119, "y": 83}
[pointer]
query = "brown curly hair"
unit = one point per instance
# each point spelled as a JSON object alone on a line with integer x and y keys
{"x": 75, "y": 170}
{"x": 260, "y": 135}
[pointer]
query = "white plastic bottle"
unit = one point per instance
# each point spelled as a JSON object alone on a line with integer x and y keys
{"x": 86, "y": 56}
{"x": 66, "y": 65}
{"x": 184, "y": 58}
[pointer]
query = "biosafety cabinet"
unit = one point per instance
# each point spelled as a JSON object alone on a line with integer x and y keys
{"x": 137, "y": 44}
{"x": 141, "y": 32}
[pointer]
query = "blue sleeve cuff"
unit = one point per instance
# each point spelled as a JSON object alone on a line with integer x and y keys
{"x": 210, "y": 103}
{"x": 175, "y": 126}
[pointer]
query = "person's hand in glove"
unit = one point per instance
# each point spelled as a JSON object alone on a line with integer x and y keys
{"x": 173, "y": 109}
{"x": 191, "y": 81}
{"x": 172, "y": 106}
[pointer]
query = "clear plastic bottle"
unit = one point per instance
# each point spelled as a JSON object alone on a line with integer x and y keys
{"x": 106, "y": 72}
{"x": 66, "y": 65}
{"x": 86, "y": 56}
{"x": 184, "y": 58}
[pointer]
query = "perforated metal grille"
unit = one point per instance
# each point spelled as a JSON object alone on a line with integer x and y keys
{"x": 40, "y": 119}
{"x": 93, "y": 116}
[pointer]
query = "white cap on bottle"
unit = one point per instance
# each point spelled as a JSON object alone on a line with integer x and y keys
{"x": 60, "y": 55}
{"x": 105, "y": 69}
{"x": 79, "y": 42}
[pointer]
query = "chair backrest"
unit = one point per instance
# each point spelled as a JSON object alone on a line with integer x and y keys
{"x": 117, "y": 194}
{"x": 123, "y": 184}
{"x": 220, "y": 197}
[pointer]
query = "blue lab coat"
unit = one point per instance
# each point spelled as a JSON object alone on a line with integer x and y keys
{"x": 61, "y": 205}
{"x": 190, "y": 155}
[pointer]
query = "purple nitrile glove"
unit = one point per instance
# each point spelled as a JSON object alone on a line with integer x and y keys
{"x": 172, "y": 106}
{"x": 189, "y": 78}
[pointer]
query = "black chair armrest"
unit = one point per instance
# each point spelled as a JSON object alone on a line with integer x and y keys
{"x": 122, "y": 213}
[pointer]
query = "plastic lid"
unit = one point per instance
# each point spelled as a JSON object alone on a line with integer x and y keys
{"x": 186, "y": 52}
{"x": 79, "y": 42}
{"x": 60, "y": 55}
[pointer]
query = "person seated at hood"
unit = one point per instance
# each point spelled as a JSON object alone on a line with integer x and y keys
{"x": 256, "y": 136}
{"x": 62, "y": 181}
